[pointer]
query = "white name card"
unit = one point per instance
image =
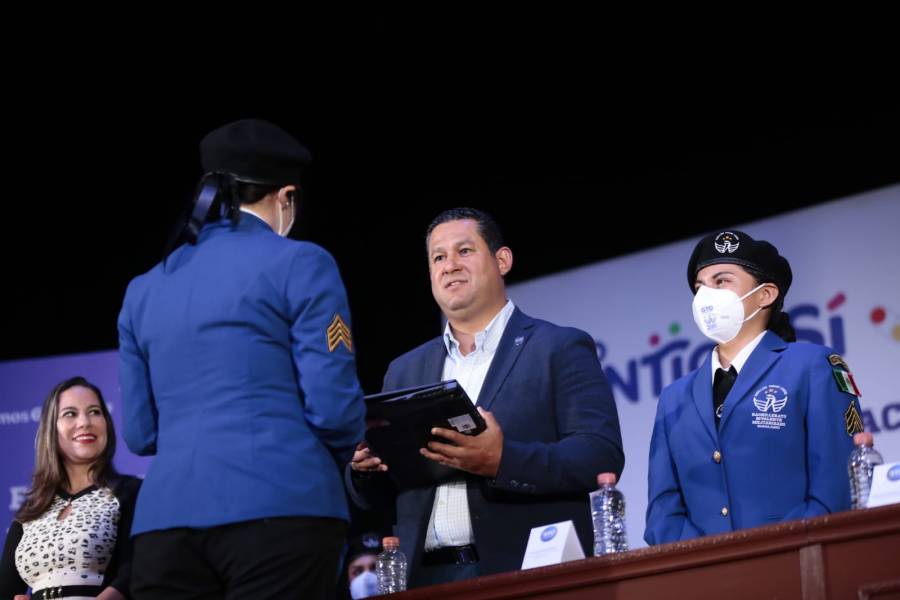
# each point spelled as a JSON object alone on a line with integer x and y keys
{"x": 885, "y": 485}
{"x": 551, "y": 545}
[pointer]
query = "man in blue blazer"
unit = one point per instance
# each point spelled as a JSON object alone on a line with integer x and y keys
{"x": 768, "y": 443}
{"x": 552, "y": 424}
{"x": 238, "y": 374}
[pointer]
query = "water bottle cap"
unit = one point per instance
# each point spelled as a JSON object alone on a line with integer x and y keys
{"x": 606, "y": 479}
{"x": 391, "y": 542}
{"x": 863, "y": 438}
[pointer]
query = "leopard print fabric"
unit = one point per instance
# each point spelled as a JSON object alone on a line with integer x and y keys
{"x": 74, "y": 551}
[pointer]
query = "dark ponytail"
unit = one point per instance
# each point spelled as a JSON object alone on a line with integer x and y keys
{"x": 218, "y": 196}
{"x": 780, "y": 322}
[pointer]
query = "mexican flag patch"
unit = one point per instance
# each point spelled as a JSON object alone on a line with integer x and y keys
{"x": 845, "y": 382}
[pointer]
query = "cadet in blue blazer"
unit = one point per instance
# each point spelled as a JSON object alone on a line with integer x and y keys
{"x": 238, "y": 375}
{"x": 552, "y": 422}
{"x": 773, "y": 447}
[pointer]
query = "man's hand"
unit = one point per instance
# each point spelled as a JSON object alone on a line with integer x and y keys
{"x": 364, "y": 461}
{"x": 479, "y": 454}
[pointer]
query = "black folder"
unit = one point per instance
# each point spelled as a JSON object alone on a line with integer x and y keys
{"x": 401, "y": 423}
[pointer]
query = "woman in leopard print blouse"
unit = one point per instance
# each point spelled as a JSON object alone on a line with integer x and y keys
{"x": 71, "y": 537}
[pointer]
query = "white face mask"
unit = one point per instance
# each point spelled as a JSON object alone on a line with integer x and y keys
{"x": 284, "y": 232}
{"x": 364, "y": 585}
{"x": 719, "y": 313}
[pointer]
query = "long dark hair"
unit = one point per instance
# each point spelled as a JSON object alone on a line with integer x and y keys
{"x": 49, "y": 468}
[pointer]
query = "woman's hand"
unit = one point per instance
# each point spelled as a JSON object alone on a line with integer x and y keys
{"x": 366, "y": 462}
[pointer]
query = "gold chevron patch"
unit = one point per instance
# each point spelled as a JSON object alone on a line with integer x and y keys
{"x": 339, "y": 333}
{"x": 852, "y": 420}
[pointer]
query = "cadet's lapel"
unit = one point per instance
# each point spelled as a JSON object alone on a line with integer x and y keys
{"x": 701, "y": 390}
{"x": 761, "y": 360}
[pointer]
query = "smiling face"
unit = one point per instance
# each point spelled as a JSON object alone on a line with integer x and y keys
{"x": 80, "y": 426}
{"x": 466, "y": 277}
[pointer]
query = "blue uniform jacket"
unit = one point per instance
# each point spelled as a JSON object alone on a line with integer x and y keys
{"x": 548, "y": 392}
{"x": 780, "y": 452}
{"x": 229, "y": 377}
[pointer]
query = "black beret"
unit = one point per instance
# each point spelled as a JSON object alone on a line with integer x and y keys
{"x": 737, "y": 248}
{"x": 254, "y": 151}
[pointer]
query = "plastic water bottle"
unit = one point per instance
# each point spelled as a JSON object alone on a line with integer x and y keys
{"x": 608, "y": 512}
{"x": 391, "y": 567}
{"x": 862, "y": 462}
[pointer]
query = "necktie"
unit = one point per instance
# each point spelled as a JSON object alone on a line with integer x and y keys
{"x": 721, "y": 386}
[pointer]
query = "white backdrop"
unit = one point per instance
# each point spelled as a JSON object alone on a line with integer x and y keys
{"x": 846, "y": 294}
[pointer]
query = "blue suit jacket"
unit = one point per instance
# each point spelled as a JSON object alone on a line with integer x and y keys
{"x": 228, "y": 378}
{"x": 548, "y": 392}
{"x": 783, "y": 443}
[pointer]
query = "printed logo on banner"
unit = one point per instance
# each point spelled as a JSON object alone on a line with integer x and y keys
{"x": 21, "y": 417}
{"x": 17, "y": 496}
{"x": 668, "y": 360}
{"x": 886, "y": 321}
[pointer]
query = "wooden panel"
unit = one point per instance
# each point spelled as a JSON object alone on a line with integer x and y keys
{"x": 883, "y": 590}
{"x": 852, "y": 564}
{"x": 812, "y": 573}
{"x": 832, "y": 557}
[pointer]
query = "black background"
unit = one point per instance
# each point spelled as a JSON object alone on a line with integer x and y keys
{"x": 580, "y": 150}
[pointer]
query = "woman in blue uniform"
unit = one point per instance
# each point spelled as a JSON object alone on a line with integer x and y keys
{"x": 761, "y": 432}
{"x": 238, "y": 374}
